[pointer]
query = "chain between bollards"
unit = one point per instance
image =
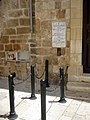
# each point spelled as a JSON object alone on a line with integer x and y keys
{"x": 43, "y": 99}
{"x": 62, "y": 98}
{"x": 32, "y": 83}
{"x": 11, "y": 95}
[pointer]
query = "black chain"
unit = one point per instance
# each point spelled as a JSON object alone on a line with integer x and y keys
{"x": 37, "y": 76}
{"x": 22, "y": 80}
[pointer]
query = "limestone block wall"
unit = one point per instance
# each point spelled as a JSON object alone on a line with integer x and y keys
{"x": 46, "y": 12}
{"x": 15, "y": 35}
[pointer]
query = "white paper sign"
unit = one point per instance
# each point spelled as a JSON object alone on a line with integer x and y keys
{"x": 11, "y": 55}
{"x": 58, "y": 34}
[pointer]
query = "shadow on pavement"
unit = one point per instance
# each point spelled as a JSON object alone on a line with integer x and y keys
{"x": 53, "y": 90}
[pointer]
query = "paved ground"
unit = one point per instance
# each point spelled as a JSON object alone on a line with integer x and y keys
{"x": 27, "y": 109}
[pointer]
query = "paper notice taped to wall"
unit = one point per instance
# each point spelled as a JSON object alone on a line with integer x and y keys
{"x": 58, "y": 34}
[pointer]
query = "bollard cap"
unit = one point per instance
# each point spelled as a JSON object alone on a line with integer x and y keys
{"x": 12, "y": 75}
{"x": 43, "y": 82}
{"x": 32, "y": 65}
{"x": 61, "y": 68}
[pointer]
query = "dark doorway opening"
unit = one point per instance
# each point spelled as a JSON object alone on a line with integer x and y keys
{"x": 86, "y": 37}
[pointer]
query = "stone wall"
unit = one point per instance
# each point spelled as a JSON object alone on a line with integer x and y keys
{"x": 76, "y": 68}
{"x": 15, "y": 35}
{"x": 45, "y": 13}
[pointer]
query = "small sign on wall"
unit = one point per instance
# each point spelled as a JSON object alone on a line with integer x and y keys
{"x": 23, "y": 55}
{"x": 58, "y": 34}
{"x": 11, "y": 55}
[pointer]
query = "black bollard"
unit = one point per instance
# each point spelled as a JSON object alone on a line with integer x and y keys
{"x": 43, "y": 99}
{"x": 11, "y": 95}
{"x": 32, "y": 83}
{"x": 62, "y": 98}
{"x": 46, "y": 73}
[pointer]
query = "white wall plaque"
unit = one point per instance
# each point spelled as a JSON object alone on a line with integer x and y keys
{"x": 58, "y": 34}
{"x": 23, "y": 55}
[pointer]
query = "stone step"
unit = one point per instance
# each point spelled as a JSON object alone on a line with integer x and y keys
{"x": 78, "y": 86}
{"x": 78, "y": 90}
{"x": 83, "y": 78}
{"x": 78, "y": 95}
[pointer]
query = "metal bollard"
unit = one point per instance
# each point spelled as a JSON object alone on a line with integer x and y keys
{"x": 11, "y": 95}
{"x": 62, "y": 98}
{"x": 43, "y": 99}
{"x": 46, "y": 73}
{"x": 32, "y": 83}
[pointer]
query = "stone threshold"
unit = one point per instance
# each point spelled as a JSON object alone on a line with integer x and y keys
{"x": 79, "y": 83}
{"x": 81, "y": 78}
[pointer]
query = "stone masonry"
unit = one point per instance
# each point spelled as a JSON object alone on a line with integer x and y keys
{"x": 15, "y": 36}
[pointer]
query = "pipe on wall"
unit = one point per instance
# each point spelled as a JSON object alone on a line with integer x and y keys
{"x": 31, "y": 24}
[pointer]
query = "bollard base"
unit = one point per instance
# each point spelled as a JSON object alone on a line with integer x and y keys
{"x": 33, "y": 97}
{"x": 62, "y": 100}
{"x": 12, "y": 116}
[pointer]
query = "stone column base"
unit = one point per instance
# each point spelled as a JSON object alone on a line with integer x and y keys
{"x": 74, "y": 72}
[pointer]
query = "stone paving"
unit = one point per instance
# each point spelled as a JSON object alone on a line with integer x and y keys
{"x": 27, "y": 109}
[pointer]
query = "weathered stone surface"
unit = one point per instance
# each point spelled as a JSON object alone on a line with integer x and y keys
{"x": 5, "y": 39}
{"x": 2, "y": 55}
{"x": 24, "y": 4}
{"x": 75, "y": 13}
{"x": 67, "y": 14}
{"x": 24, "y": 21}
{"x": 46, "y": 44}
{"x": 75, "y": 70}
{"x": 75, "y": 23}
{"x": 8, "y": 47}
{"x": 23, "y": 30}
{"x": 43, "y": 51}
{"x": 75, "y": 3}
{"x": 37, "y": 25}
{"x": 12, "y": 23}
{"x": 54, "y": 78}
{"x": 68, "y": 43}
{"x": 16, "y": 13}
{"x": 65, "y": 4}
{"x": 26, "y": 12}
{"x": 33, "y": 50}
{"x": 24, "y": 47}
{"x": 1, "y": 47}
{"x": 10, "y": 31}
{"x": 60, "y": 14}
{"x": 55, "y": 61}
{"x": 14, "y": 4}
{"x": 16, "y": 47}
{"x": 57, "y": 5}
{"x": 15, "y": 34}
{"x": 48, "y": 5}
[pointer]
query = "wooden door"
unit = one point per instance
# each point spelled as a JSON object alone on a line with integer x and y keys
{"x": 86, "y": 37}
